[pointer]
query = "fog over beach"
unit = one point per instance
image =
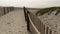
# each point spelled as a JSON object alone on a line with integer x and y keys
{"x": 30, "y": 3}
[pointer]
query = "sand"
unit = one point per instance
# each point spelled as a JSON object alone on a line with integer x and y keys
{"x": 13, "y": 23}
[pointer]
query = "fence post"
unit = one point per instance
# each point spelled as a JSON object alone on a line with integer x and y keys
{"x": 4, "y": 10}
{"x": 25, "y": 13}
{"x": 26, "y": 17}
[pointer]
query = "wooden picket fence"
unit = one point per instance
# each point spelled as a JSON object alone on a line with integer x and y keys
{"x": 35, "y": 25}
{"x": 5, "y": 10}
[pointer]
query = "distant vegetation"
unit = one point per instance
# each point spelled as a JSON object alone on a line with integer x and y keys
{"x": 48, "y": 10}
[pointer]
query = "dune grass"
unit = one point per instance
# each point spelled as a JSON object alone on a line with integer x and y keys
{"x": 48, "y": 10}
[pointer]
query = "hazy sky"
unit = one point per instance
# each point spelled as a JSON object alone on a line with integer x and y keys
{"x": 30, "y": 3}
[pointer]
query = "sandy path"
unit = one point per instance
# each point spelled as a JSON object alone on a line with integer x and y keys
{"x": 13, "y": 23}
